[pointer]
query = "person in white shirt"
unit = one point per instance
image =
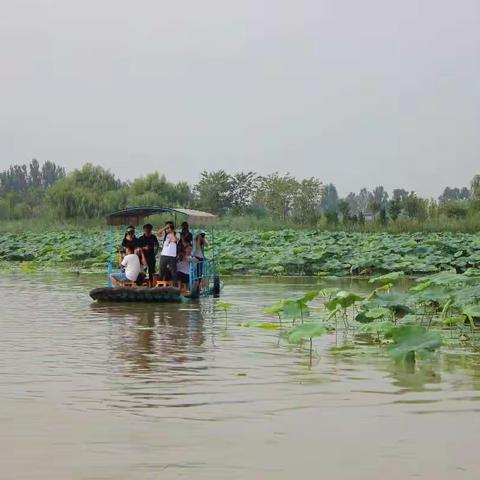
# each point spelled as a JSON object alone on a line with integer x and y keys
{"x": 132, "y": 265}
{"x": 168, "y": 256}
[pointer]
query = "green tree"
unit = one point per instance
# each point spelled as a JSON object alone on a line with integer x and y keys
{"x": 94, "y": 177}
{"x": 183, "y": 195}
{"x": 155, "y": 189}
{"x": 383, "y": 215}
{"x": 454, "y": 194}
{"x": 277, "y": 193}
{"x": 352, "y": 201}
{"x": 307, "y": 201}
{"x": 26, "y": 186}
{"x": 243, "y": 186}
{"x": 453, "y": 209}
{"x": 415, "y": 207}
{"x": 475, "y": 188}
{"x": 15, "y": 179}
{"x": 82, "y": 192}
{"x": 364, "y": 200}
{"x": 214, "y": 191}
{"x": 394, "y": 208}
{"x": 399, "y": 194}
{"x": 344, "y": 209}
{"x": 378, "y": 201}
{"x": 329, "y": 200}
{"x": 51, "y": 173}
{"x": 35, "y": 175}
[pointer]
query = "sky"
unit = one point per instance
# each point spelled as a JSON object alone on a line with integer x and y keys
{"x": 358, "y": 93}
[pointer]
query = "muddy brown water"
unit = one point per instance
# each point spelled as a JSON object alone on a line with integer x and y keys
{"x": 137, "y": 391}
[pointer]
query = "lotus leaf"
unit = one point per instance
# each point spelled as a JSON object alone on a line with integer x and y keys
{"x": 471, "y": 311}
{"x": 343, "y": 299}
{"x": 306, "y": 331}
{"x": 387, "y": 279}
{"x": 378, "y": 312}
{"x": 410, "y": 341}
{"x": 377, "y": 328}
{"x": 276, "y": 308}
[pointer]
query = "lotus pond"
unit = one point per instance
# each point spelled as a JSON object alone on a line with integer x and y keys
{"x": 284, "y": 252}
{"x": 280, "y": 377}
{"x": 443, "y": 308}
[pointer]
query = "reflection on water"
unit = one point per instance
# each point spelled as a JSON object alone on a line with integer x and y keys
{"x": 144, "y": 391}
{"x": 149, "y": 338}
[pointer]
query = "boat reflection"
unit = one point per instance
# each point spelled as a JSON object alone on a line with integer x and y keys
{"x": 154, "y": 338}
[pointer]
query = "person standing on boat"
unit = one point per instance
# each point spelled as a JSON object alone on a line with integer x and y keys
{"x": 199, "y": 252}
{"x": 168, "y": 256}
{"x": 149, "y": 245}
{"x": 186, "y": 238}
{"x": 129, "y": 240}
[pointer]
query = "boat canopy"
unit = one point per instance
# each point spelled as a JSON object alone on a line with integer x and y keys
{"x": 136, "y": 215}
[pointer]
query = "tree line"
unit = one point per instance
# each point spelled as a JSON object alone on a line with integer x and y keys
{"x": 91, "y": 191}
{"x": 309, "y": 200}
{"x": 23, "y": 187}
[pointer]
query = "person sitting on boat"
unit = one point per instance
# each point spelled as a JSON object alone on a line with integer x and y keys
{"x": 168, "y": 255}
{"x": 184, "y": 260}
{"x": 149, "y": 245}
{"x": 132, "y": 266}
{"x": 129, "y": 240}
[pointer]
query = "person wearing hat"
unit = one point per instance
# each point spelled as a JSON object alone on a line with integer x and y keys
{"x": 149, "y": 245}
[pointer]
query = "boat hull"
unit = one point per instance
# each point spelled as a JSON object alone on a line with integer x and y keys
{"x": 131, "y": 294}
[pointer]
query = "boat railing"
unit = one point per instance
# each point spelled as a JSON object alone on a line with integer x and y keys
{"x": 201, "y": 275}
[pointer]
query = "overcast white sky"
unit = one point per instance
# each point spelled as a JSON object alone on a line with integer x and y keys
{"x": 356, "y": 92}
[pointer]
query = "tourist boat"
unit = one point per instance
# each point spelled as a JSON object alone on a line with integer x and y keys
{"x": 203, "y": 281}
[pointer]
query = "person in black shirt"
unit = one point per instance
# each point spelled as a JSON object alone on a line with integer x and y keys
{"x": 185, "y": 234}
{"x": 129, "y": 240}
{"x": 186, "y": 238}
{"x": 149, "y": 244}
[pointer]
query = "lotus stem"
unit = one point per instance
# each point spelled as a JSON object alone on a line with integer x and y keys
{"x": 311, "y": 351}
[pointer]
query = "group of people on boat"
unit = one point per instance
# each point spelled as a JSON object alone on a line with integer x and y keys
{"x": 178, "y": 252}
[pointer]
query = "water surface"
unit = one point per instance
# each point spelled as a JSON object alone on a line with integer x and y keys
{"x": 140, "y": 391}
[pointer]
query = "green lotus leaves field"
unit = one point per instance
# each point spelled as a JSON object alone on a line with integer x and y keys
{"x": 291, "y": 252}
{"x": 442, "y": 306}
{"x": 284, "y": 252}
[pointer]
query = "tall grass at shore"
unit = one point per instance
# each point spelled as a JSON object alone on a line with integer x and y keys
{"x": 470, "y": 224}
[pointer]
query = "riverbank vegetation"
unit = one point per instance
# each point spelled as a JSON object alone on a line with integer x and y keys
{"x": 275, "y": 252}
{"x": 44, "y": 196}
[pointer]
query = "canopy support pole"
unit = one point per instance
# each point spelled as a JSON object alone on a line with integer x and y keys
{"x": 214, "y": 265}
{"x": 110, "y": 255}
{"x": 193, "y": 267}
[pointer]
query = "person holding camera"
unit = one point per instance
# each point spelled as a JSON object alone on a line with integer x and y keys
{"x": 168, "y": 255}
